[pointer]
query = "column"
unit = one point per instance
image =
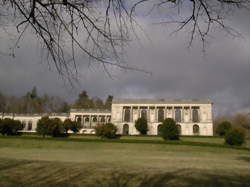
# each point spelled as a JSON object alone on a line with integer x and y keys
{"x": 131, "y": 114}
{"x": 191, "y": 120}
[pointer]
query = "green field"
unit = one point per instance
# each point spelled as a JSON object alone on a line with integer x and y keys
{"x": 131, "y": 161}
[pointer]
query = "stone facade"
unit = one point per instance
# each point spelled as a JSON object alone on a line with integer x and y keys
{"x": 194, "y": 117}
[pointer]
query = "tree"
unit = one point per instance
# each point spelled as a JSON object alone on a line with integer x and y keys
{"x": 10, "y": 127}
{"x": 56, "y": 127}
{"x": 108, "y": 102}
{"x": 43, "y": 126}
{"x": 51, "y": 127}
{"x": 74, "y": 126}
{"x": 223, "y": 128}
{"x": 169, "y": 130}
{"x": 2, "y": 102}
{"x": 84, "y": 101}
{"x": 141, "y": 125}
{"x": 107, "y": 130}
{"x": 106, "y": 25}
{"x": 235, "y": 136}
{"x": 242, "y": 120}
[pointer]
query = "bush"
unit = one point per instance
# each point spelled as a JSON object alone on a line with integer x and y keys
{"x": 52, "y": 127}
{"x": 74, "y": 126}
{"x": 235, "y": 136}
{"x": 43, "y": 126}
{"x": 141, "y": 125}
{"x": 10, "y": 127}
{"x": 107, "y": 130}
{"x": 223, "y": 128}
{"x": 169, "y": 130}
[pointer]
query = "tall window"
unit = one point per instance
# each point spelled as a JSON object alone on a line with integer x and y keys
{"x": 127, "y": 115}
{"x": 29, "y": 126}
{"x": 87, "y": 119}
{"x": 196, "y": 130}
{"x": 195, "y": 115}
{"x": 144, "y": 113}
{"x": 24, "y": 124}
{"x": 178, "y": 115}
{"x": 160, "y": 115}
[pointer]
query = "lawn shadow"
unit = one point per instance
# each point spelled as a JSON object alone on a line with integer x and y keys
{"x": 176, "y": 178}
{"x": 244, "y": 158}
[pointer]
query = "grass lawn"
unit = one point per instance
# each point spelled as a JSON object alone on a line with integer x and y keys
{"x": 33, "y": 161}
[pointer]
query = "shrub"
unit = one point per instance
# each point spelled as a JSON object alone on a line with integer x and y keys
{"x": 52, "y": 127}
{"x": 235, "y": 136}
{"x": 56, "y": 128}
{"x": 223, "y": 128}
{"x": 141, "y": 125}
{"x": 74, "y": 126}
{"x": 10, "y": 127}
{"x": 107, "y": 130}
{"x": 43, "y": 126}
{"x": 169, "y": 130}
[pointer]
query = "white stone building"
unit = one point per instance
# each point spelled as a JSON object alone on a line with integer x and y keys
{"x": 194, "y": 117}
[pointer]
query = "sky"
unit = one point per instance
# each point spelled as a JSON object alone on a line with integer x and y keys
{"x": 221, "y": 74}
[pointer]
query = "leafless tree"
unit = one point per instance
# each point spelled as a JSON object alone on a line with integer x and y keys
{"x": 102, "y": 28}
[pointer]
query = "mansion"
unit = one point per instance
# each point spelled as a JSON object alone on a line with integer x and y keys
{"x": 193, "y": 117}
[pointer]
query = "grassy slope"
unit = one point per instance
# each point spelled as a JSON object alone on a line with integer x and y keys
{"x": 40, "y": 162}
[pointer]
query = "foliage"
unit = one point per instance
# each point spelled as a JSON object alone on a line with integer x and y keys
{"x": 74, "y": 126}
{"x": 10, "y": 127}
{"x": 169, "y": 130}
{"x": 223, "y": 128}
{"x": 107, "y": 130}
{"x": 84, "y": 101}
{"x": 235, "y": 136}
{"x": 141, "y": 125}
{"x": 52, "y": 127}
{"x": 43, "y": 126}
{"x": 242, "y": 120}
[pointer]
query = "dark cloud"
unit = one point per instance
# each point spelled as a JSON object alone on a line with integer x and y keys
{"x": 221, "y": 74}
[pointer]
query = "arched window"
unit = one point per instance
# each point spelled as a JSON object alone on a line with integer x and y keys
{"x": 178, "y": 115}
{"x": 78, "y": 118}
{"x": 160, "y": 115}
{"x": 159, "y": 129}
{"x": 29, "y": 125}
{"x": 94, "y": 119}
{"x": 103, "y": 119}
{"x": 195, "y": 115}
{"x": 108, "y": 118}
{"x": 125, "y": 129}
{"x": 196, "y": 130}
{"x": 87, "y": 119}
{"x": 144, "y": 113}
{"x": 127, "y": 115}
{"x": 179, "y": 129}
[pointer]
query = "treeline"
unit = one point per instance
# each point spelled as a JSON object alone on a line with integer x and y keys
{"x": 32, "y": 102}
{"x": 240, "y": 120}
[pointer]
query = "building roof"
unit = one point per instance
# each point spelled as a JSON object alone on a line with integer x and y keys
{"x": 89, "y": 110}
{"x": 35, "y": 114}
{"x": 162, "y": 101}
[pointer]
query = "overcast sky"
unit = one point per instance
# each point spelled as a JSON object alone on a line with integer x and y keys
{"x": 222, "y": 74}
